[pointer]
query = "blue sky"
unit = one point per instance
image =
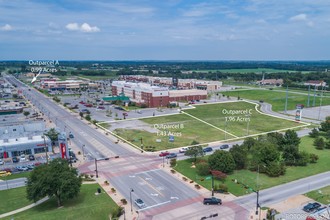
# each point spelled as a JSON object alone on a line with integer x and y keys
{"x": 165, "y": 29}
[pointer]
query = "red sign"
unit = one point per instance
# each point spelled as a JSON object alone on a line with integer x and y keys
{"x": 63, "y": 150}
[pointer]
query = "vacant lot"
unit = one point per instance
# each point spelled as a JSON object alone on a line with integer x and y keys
{"x": 277, "y": 98}
{"x": 206, "y": 123}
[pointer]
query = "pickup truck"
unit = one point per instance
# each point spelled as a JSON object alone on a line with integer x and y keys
{"x": 212, "y": 201}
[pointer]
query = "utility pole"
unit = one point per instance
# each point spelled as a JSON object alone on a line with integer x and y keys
{"x": 45, "y": 147}
{"x": 286, "y": 100}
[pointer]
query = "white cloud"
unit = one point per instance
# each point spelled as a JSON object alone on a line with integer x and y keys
{"x": 87, "y": 28}
{"x": 300, "y": 17}
{"x": 83, "y": 28}
{"x": 6, "y": 27}
{"x": 72, "y": 27}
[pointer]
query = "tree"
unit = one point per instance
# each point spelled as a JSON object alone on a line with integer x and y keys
{"x": 222, "y": 161}
{"x": 325, "y": 125}
{"x": 239, "y": 154}
{"x": 88, "y": 117}
{"x": 276, "y": 138}
{"x": 319, "y": 143}
{"x": 55, "y": 179}
{"x": 81, "y": 114}
{"x": 275, "y": 169}
{"x": 53, "y": 136}
{"x": 194, "y": 152}
{"x": 264, "y": 153}
{"x": 249, "y": 142}
{"x": 314, "y": 133}
{"x": 290, "y": 154}
{"x": 291, "y": 138}
{"x": 202, "y": 168}
{"x": 26, "y": 113}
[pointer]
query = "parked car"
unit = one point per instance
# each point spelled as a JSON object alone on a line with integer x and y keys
{"x": 82, "y": 102}
{"x": 225, "y": 146}
{"x": 15, "y": 160}
{"x": 171, "y": 155}
{"x": 22, "y": 168}
{"x": 22, "y": 158}
{"x": 31, "y": 157}
{"x": 2, "y": 162}
{"x": 164, "y": 154}
{"x": 100, "y": 107}
{"x": 120, "y": 108}
{"x": 207, "y": 149}
{"x": 88, "y": 105}
{"x": 139, "y": 203}
{"x": 212, "y": 201}
{"x": 4, "y": 173}
{"x": 311, "y": 207}
{"x": 71, "y": 135}
{"x": 30, "y": 166}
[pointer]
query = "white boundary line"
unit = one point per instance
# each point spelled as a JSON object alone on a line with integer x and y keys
{"x": 208, "y": 123}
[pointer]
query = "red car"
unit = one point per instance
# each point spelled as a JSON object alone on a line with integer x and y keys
{"x": 82, "y": 102}
{"x": 164, "y": 154}
{"x": 101, "y": 107}
{"x": 88, "y": 105}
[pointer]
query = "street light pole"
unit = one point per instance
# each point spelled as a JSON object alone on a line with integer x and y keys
{"x": 130, "y": 198}
{"x": 83, "y": 152}
{"x": 97, "y": 175}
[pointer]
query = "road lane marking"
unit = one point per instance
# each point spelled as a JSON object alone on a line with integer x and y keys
{"x": 155, "y": 205}
{"x": 151, "y": 186}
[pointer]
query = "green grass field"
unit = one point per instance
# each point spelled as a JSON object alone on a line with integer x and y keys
{"x": 204, "y": 123}
{"x": 256, "y": 70}
{"x": 322, "y": 195}
{"x": 85, "y": 207}
{"x": 15, "y": 176}
{"x": 249, "y": 178}
{"x": 13, "y": 199}
{"x": 277, "y": 98}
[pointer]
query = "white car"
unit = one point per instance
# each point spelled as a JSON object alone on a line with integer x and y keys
{"x": 139, "y": 203}
{"x": 184, "y": 149}
{"x": 2, "y": 162}
{"x": 22, "y": 158}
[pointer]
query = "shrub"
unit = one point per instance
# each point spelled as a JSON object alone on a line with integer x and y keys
{"x": 184, "y": 178}
{"x": 117, "y": 212}
{"x": 173, "y": 171}
{"x": 314, "y": 133}
{"x": 124, "y": 201}
{"x": 106, "y": 182}
{"x": 197, "y": 186}
{"x": 223, "y": 187}
{"x": 313, "y": 158}
{"x": 173, "y": 162}
{"x": 113, "y": 190}
{"x": 275, "y": 169}
{"x": 319, "y": 143}
{"x": 202, "y": 168}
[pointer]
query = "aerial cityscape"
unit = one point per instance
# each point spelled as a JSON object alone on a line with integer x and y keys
{"x": 165, "y": 110}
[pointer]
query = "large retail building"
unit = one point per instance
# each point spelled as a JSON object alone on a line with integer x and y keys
{"x": 154, "y": 96}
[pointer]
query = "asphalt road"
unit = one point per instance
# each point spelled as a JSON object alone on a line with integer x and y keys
{"x": 131, "y": 163}
{"x": 14, "y": 183}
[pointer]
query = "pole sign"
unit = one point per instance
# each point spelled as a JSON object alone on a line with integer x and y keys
{"x": 62, "y": 140}
{"x": 299, "y": 108}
